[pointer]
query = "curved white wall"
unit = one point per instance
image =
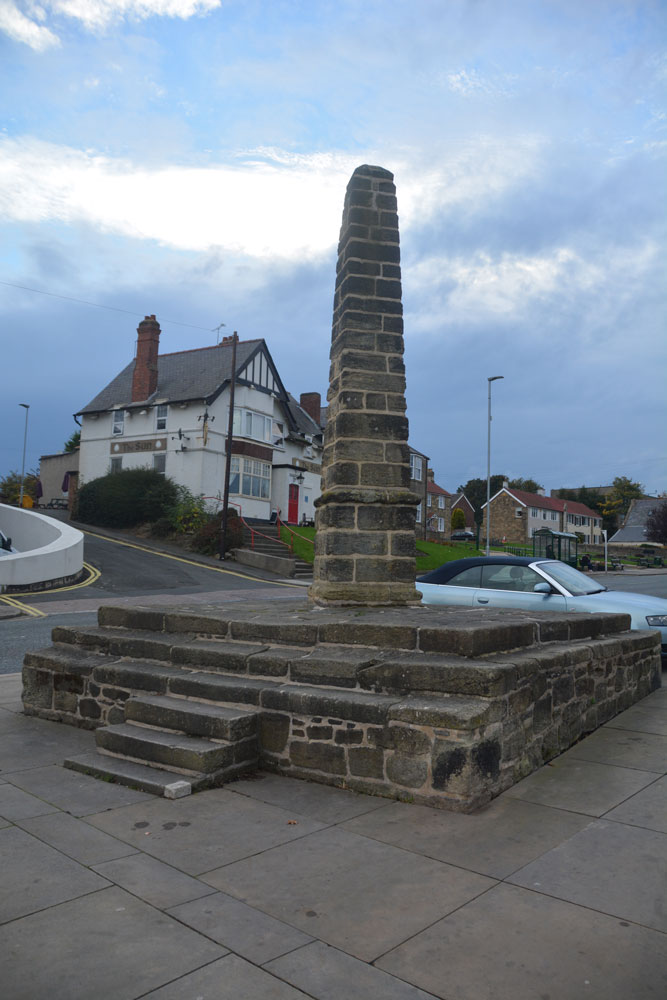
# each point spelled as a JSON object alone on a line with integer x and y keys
{"x": 48, "y": 549}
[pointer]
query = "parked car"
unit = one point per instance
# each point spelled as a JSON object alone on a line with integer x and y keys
{"x": 463, "y": 535}
{"x": 536, "y": 585}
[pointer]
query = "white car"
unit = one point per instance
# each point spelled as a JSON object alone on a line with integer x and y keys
{"x": 536, "y": 585}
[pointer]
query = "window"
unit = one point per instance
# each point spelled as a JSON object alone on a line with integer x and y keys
{"x": 428, "y": 500}
{"x": 160, "y": 463}
{"x": 441, "y": 524}
{"x": 250, "y": 477}
{"x": 118, "y": 425}
{"x": 116, "y": 465}
{"x": 441, "y": 503}
{"x": 534, "y": 512}
{"x": 161, "y": 418}
{"x": 512, "y": 577}
{"x": 250, "y": 424}
{"x": 468, "y": 578}
{"x": 554, "y": 515}
{"x": 418, "y": 517}
{"x": 416, "y": 466}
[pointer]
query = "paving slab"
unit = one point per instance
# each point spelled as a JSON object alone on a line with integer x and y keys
{"x": 328, "y": 974}
{"x": 34, "y": 876}
{"x": 646, "y": 751}
{"x": 581, "y": 786}
{"x": 73, "y": 792}
{"x": 493, "y": 841}
{"x": 16, "y": 804}
{"x": 351, "y": 892}
{"x": 303, "y": 798}
{"x": 152, "y": 880}
{"x": 642, "y": 719}
{"x": 75, "y": 838}
{"x": 617, "y": 869}
{"x": 36, "y": 742}
{"x": 201, "y": 832}
{"x": 230, "y": 978}
{"x": 647, "y": 808}
{"x": 108, "y": 945}
{"x": 241, "y": 928}
{"x": 512, "y": 944}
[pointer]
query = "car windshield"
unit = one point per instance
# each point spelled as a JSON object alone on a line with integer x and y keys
{"x": 567, "y": 576}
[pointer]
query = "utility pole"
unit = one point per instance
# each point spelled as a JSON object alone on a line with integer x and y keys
{"x": 228, "y": 449}
{"x": 26, "y": 407}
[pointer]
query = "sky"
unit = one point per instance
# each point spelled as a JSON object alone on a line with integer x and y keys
{"x": 189, "y": 158}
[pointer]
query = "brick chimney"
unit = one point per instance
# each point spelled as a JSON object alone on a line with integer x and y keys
{"x": 311, "y": 402}
{"x": 144, "y": 379}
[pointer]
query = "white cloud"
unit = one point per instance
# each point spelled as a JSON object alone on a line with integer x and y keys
{"x": 16, "y": 25}
{"x": 268, "y": 203}
{"x": 94, "y": 15}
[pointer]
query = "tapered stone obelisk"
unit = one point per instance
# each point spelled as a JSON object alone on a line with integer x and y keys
{"x": 365, "y": 518}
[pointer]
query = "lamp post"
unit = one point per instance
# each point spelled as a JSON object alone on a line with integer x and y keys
{"x": 493, "y": 378}
{"x": 26, "y": 407}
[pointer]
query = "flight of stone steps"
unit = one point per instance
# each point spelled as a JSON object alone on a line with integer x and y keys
{"x": 265, "y": 544}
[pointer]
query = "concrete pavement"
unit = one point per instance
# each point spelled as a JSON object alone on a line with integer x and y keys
{"x": 276, "y": 889}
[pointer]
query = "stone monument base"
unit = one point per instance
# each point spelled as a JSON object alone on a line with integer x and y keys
{"x": 442, "y": 706}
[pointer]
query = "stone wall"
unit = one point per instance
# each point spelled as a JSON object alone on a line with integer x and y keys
{"x": 448, "y": 707}
{"x": 505, "y": 523}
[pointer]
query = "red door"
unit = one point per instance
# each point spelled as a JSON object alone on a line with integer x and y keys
{"x": 293, "y": 504}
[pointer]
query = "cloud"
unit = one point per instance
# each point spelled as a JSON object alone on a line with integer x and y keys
{"x": 264, "y": 203}
{"x": 93, "y": 15}
{"x": 16, "y": 25}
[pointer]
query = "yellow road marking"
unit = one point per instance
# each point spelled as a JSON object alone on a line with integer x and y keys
{"x": 93, "y": 575}
{"x": 25, "y": 608}
{"x": 188, "y": 562}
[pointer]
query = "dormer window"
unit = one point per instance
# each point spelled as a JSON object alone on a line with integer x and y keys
{"x": 118, "y": 425}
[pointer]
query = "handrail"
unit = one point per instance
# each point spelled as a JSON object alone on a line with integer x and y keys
{"x": 281, "y": 524}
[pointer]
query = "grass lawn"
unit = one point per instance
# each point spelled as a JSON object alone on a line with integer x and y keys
{"x": 430, "y": 555}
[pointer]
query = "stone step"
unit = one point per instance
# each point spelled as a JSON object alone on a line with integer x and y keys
{"x": 127, "y": 772}
{"x": 192, "y": 717}
{"x": 174, "y": 751}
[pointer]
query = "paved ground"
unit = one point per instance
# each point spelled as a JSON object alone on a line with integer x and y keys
{"x": 276, "y": 889}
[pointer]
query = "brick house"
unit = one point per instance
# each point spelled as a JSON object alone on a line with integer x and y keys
{"x": 438, "y": 510}
{"x": 170, "y": 412}
{"x": 516, "y": 515}
{"x": 460, "y": 501}
{"x": 418, "y": 485}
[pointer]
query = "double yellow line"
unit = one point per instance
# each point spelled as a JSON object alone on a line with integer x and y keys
{"x": 28, "y": 609}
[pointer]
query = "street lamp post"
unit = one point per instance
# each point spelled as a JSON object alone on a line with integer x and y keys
{"x": 26, "y": 407}
{"x": 493, "y": 378}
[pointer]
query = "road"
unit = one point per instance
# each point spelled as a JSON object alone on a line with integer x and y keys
{"x": 127, "y": 571}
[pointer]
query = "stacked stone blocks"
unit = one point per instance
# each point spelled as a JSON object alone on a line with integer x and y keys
{"x": 448, "y": 707}
{"x": 365, "y": 545}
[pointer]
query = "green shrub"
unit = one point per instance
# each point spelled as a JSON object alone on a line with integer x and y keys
{"x": 458, "y": 519}
{"x": 126, "y": 498}
{"x": 207, "y": 538}
{"x": 188, "y": 512}
{"x": 161, "y": 528}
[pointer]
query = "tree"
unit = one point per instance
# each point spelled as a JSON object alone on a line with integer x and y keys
{"x": 72, "y": 442}
{"x": 527, "y": 485}
{"x": 616, "y": 505}
{"x": 475, "y": 491}
{"x": 10, "y": 487}
{"x": 656, "y": 524}
{"x": 458, "y": 519}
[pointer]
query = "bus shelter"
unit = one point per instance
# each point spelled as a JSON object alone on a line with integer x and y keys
{"x": 548, "y": 544}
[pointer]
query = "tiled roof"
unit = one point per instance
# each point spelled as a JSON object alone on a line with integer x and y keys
{"x": 634, "y": 525}
{"x": 182, "y": 376}
{"x": 302, "y": 421}
{"x": 549, "y": 503}
{"x": 432, "y": 487}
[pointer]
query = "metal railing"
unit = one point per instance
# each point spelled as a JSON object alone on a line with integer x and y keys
{"x": 292, "y": 534}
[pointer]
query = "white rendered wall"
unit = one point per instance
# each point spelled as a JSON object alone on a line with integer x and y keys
{"x": 48, "y": 549}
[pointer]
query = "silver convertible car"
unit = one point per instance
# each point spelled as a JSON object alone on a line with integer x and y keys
{"x": 536, "y": 585}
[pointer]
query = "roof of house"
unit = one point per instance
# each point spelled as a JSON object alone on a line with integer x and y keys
{"x": 432, "y": 487}
{"x": 633, "y": 528}
{"x": 546, "y": 503}
{"x": 302, "y": 421}
{"x": 182, "y": 376}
